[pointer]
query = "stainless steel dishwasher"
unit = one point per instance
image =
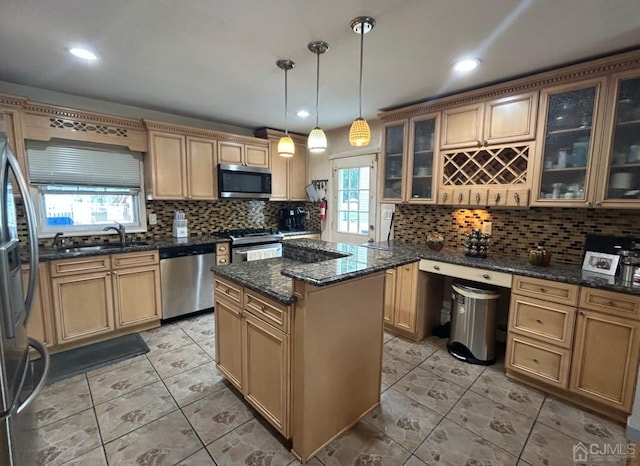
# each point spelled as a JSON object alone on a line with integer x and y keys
{"x": 186, "y": 279}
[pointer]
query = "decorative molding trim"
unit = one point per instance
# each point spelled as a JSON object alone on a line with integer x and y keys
{"x": 592, "y": 69}
{"x": 72, "y": 114}
{"x": 152, "y": 125}
{"x": 9, "y": 100}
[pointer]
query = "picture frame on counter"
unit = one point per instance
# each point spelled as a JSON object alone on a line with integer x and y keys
{"x": 601, "y": 263}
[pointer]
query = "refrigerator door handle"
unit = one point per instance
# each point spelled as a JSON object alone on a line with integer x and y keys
{"x": 44, "y": 354}
{"x": 33, "y": 234}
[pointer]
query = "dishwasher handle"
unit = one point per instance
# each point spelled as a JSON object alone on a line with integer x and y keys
{"x": 184, "y": 251}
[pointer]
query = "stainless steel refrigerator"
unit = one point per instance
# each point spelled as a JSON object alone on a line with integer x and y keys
{"x": 21, "y": 378}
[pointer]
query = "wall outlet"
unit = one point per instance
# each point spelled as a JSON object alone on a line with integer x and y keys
{"x": 153, "y": 219}
{"x": 487, "y": 227}
{"x": 387, "y": 214}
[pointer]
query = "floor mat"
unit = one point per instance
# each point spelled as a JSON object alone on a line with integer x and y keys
{"x": 80, "y": 360}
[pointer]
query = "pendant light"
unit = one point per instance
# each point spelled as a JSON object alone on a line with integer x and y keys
{"x": 286, "y": 147}
{"x": 317, "y": 141}
{"x": 360, "y": 134}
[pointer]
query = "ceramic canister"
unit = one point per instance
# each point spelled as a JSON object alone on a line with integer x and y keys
{"x": 621, "y": 180}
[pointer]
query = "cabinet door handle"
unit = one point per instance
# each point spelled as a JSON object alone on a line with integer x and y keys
{"x": 535, "y": 360}
{"x": 436, "y": 267}
{"x": 115, "y": 273}
{"x": 486, "y": 276}
{"x": 407, "y": 268}
{"x": 444, "y": 197}
{"x": 477, "y": 198}
{"x": 108, "y": 273}
{"x": 479, "y": 142}
{"x": 516, "y": 197}
{"x": 484, "y": 142}
{"x": 222, "y": 249}
{"x": 543, "y": 290}
{"x": 611, "y": 304}
{"x": 582, "y": 313}
{"x": 223, "y": 261}
{"x": 538, "y": 321}
{"x": 460, "y": 196}
{"x": 598, "y": 203}
{"x": 497, "y": 197}
{"x": 589, "y": 204}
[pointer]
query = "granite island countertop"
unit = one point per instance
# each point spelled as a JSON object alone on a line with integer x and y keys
{"x": 322, "y": 263}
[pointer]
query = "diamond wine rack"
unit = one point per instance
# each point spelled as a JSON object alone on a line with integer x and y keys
{"x": 500, "y": 165}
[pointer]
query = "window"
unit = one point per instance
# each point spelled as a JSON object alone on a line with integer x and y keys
{"x": 80, "y": 188}
{"x": 353, "y": 200}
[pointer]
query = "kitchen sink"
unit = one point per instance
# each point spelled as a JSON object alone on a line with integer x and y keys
{"x": 83, "y": 249}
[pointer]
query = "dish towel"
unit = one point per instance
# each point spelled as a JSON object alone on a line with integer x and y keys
{"x": 261, "y": 254}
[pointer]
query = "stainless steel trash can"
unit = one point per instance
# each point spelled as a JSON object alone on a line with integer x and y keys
{"x": 473, "y": 323}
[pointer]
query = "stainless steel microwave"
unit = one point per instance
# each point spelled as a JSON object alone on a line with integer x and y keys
{"x": 240, "y": 182}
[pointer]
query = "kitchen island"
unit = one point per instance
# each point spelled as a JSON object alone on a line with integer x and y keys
{"x": 301, "y": 336}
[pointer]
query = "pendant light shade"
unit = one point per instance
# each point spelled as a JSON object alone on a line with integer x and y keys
{"x": 286, "y": 147}
{"x": 317, "y": 141}
{"x": 360, "y": 134}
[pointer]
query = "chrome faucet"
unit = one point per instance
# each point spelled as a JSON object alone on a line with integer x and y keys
{"x": 57, "y": 242}
{"x": 120, "y": 229}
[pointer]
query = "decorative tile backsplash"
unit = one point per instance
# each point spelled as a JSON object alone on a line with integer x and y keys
{"x": 204, "y": 218}
{"x": 516, "y": 231}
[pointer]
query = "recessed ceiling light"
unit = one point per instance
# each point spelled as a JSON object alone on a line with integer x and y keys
{"x": 303, "y": 114}
{"x": 83, "y": 53}
{"x": 466, "y": 64}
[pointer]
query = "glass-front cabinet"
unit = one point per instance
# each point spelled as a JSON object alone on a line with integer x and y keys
{"x": 393, "y": 168}
{"x": 409, "y": 166}
{"x": 421, "y": 168}
{"x": 564, "y": 163}
{"x": 620, "y": 183}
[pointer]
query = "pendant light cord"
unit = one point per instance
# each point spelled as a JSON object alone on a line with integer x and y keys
{"x": 361, "y": 60}
{"x": 285, "y": 102}
{"x": 317, "y": 85}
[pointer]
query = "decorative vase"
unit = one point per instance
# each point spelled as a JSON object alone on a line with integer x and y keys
{"x": 435, "y": 241}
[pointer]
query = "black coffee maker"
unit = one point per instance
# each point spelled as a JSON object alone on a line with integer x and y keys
{"x": 300, "y": 216}
{"x": 287, "y": 220}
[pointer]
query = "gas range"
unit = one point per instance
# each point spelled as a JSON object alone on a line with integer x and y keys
{"x": 249, "y": 236}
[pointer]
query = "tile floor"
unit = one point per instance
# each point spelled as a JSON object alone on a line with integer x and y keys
{"x": 172, "y": 407}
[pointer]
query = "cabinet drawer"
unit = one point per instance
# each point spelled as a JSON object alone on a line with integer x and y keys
{"x": 610, "y": 302}
{"x": 228, "y": 290}
{"x": 549, "y": 322}
{"x": 64, "y": 267}
{"x": 222, "y": 249}
{"x": 269, "y": 311}
{"x": 547, "y": 363}
{"x": 134, "y": 259}
{"x": 557, "y": 292}
{"x": 469, "y": 273}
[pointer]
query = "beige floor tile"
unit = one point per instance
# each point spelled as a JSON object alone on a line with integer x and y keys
{"x": 193, "y": 384}
{"x": 164, "y": 442}
{"x": 249, "y": 444}
{"x": 74, "y": 379}
{"x": 583, "y": 426}
{"x": 411, "y": 352}
{"x": 452, "y": 445}
{"x": 403, "y": 419}
{"x": 393, "y": 368}
{"x": 61, "y": 400}
{"x": 445, "y": 365}
{"x": 492, "y": 421}
{"x": 178, "y": 360}
{"x": 198, "y": 328}
{"x": 112, "y": 384}
{"x": 386, "y": 336}
{"x": 166, "y": 338}
{"x": 128, "y": 412}
{"x": 209, "y": 347}
{"x": 67, "y": 439}
{"x": 94, "y": 458}
{"x": 217, "y": 414}
{"x": 415, "y": 461}
{"x": 199, "y": 458}
{"x": 312, "y": 462}
{"x": 548, "y": 447}
{"x": 514, "y": 395}
{"x": 430, "y": 390}
{"x": 363, "y": 445}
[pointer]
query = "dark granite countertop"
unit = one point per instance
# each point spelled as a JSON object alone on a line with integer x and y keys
{"x": 336, "y": 262}
{"x": 48, "y": 254}
{"x": 301, "y": 232}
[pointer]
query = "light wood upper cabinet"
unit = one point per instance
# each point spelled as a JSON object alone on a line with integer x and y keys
{"x": 12, "y": 125}
{"x": 40, "y": 325}
{"x": 618, "y": 180}
{"x": 243, "y": 154}
{"x": 394, "y": 161}
{"x": 498, "y": 121}
{"x": 181, "y": 167}
{"x": 569, "y": 138}
{"x": 289, "y": 175}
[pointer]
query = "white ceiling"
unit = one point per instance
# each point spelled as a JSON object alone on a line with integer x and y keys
{"x": 215, "y": 59}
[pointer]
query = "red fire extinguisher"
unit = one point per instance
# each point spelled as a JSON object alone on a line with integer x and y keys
{"x": 323, "y": 209}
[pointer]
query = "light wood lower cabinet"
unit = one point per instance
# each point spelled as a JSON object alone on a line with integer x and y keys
{"x": 253, "y": 349}
{"x": 40, "y": 325}
{"x": 95, "y": 296}
{"x": 411, "y": 301}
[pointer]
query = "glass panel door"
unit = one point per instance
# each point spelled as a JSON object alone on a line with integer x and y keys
{"x": 623, "y": 179}
{"x": 422, "y": 170}
{"x": 567, "y": 145}
{"x": 394, "y": 144}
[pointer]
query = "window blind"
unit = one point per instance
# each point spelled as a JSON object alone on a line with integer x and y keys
{"x": 81, "y": 164}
